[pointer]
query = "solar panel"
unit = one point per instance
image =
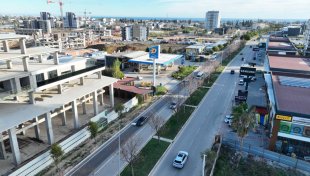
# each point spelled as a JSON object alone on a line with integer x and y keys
{"x": 294, "y": 82}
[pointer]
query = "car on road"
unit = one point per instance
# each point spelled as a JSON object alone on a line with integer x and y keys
{"x": 241, "y": 54}
{"x": 200, "y": 75}
{"x": 228, "y": 118}
{"x": 241, "y": 82}
{"x": 232, "y": 72}
{"x": 173, "y": 105}
{"x": 141, "y": 121}
{"x": 180, "y": 159}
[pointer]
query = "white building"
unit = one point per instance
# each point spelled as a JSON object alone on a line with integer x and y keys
{"x": 307, "y": 39}
{"x": 135, "y": 32}
{"x": 213, "y": 20}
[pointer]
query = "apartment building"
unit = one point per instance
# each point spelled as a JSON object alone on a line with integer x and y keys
{"x": 135, "y": 32}
{"x": 71, "y": 20}
{"x": 213, "y": 20}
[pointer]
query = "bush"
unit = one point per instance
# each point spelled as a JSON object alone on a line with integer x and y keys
{"x": 183, "y": 72}
{"x": 161, "y": 90}
{"x": 215, "y": 48}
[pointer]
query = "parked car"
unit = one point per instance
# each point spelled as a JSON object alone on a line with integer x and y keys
{"x": 173, "y": 105}
{"x": 241, "y": 82}
{"x": 141, "y": 121}
{"x": 241, "y": 54}
{"x": 252, "y": 78}
{"x": 232, "y": 72}
{"x": 180, "y": 159}
{"x": 228, "y": 118}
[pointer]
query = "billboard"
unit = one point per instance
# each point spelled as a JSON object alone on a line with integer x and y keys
{"x": 154, "y": 52}
{"x": 247, "y": 71}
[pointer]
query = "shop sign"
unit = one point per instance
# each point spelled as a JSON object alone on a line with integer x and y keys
{"x": 284, "y": 118}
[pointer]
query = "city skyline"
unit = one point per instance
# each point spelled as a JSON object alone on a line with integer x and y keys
{"x": 265, "y": 9}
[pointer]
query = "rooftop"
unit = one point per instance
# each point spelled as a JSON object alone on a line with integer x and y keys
{"x": 33, "y": 51}
{"x": 285, "y": 46}
{"x": 122, "y": 85}
{"x": 35, "y": 67}
{"x": 13, "y": 114}
{"x": 165, "y": 59}
{"x": 289, "y": 63}
{"x": 11, "y": 36}
{"x": 292, "y": 94}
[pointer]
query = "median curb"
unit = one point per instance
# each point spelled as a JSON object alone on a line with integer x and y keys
{"x": 188, "y": 121}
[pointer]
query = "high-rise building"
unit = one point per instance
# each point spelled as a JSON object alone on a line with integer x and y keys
{"x": 213, "y": 20}
{"x": 45, "y": 25}
{"x": 45, "y": 16}
{"x": 307, "y": 39}
{"x": 135, "y": 32}
{"x": 127, "y": 33}
{"x": 140, "y": 32}
{"x": 71, "y": 21}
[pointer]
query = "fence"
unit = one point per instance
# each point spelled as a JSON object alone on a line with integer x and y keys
{"x": 44, "y": 160}
{"x": 267, "y": 154}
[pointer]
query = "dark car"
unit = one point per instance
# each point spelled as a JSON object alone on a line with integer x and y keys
{"x": 173, "y": 105}
{"x": 141, "y": 121}
{"x": 232, "y": 72}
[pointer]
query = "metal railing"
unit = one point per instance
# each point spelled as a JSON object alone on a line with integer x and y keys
{"x": 267, "y": 154}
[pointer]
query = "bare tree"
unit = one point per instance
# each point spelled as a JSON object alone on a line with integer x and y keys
{"x": 156, "y": 122}
{"x": 130, "y": 152}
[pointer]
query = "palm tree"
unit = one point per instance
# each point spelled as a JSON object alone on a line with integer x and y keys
{"x": 243, "y": 121}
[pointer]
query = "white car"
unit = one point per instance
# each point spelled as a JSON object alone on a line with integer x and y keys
{"x": 180, "y": 160}
{"x": 241, "y": 82}
{"x": 228, "y": 118}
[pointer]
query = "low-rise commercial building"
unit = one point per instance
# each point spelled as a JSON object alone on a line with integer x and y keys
{"x": 288, "y": 86}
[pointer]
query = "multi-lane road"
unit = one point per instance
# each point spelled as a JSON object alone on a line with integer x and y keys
{"x": 198, "y": 134}
{"x": 195, "y": 137}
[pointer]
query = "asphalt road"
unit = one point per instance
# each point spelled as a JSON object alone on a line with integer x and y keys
{"x": 204, "y": 124}
{"x": 105, "y": 161}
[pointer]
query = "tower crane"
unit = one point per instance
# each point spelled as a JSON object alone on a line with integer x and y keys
{"x": 60, "y": 6}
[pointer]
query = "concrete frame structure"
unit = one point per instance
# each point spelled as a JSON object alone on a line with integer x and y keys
{"x": 40, "y": 75}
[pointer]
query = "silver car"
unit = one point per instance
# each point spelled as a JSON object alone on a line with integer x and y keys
{"x": 180, "y": 160}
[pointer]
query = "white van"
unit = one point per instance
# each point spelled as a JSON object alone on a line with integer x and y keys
{"x": 200, "y": 75}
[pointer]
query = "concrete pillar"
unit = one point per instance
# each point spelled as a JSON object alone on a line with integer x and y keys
{"x": 40, "y": 58}
{"x": 18, "y": 87}
{"x": 99, "y": 75}
{"x": 73, "y": 68}
{"x": 14, "y": 146}
{"x": 33, "y": 81}
{"x": 45, "y": 75}
{"x": 6, "y": 46}
{"x": 75, "y": 115}
{"x": 111, "y": 90}
{"x": 49, "y": 128}
{"x": 64, "y": 116}
{"x": 31, "y": 98}
{"x": 59, "y": 87}
{"x": 22, "y": 45}
{"x": 101, "y": 99}
{"x": 26, "y": 63}
{"x": 37, "y": 128}
{"x": 84, "y": 105}
{"x": 82, "y": 80}
{"x": 56, "y": 58}
{"x": 9, "y": 64}
{"x": 95, "y": 102}
{"x": 2, "y": 148}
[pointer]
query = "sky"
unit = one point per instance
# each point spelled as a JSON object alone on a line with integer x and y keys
{"x": 262, "y": 9}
